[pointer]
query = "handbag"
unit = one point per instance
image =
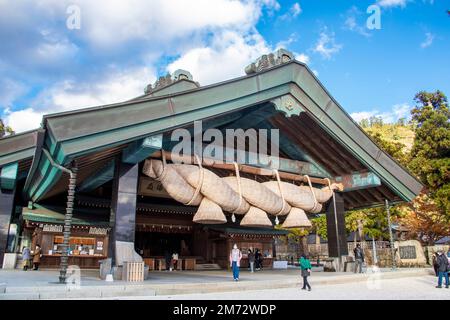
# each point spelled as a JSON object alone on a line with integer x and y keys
{"x": 306, "y": 273}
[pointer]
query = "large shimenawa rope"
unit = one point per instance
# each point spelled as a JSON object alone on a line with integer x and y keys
{"x": 198, "y": 188}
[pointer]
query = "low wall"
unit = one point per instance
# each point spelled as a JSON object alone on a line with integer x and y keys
{"x": 431, "y": 250}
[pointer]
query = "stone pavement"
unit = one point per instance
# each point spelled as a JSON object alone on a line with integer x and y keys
{"x": 403, "y": 288}
{"x": 17, "y": 284}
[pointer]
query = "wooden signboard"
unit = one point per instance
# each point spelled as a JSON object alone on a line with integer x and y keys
{"x": 152, "y": 188}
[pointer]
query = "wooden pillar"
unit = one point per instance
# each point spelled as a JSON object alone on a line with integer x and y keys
{"x": 123, "y": 209}
{"x": 6, "y": 211}
{"x": 337, "y": 236}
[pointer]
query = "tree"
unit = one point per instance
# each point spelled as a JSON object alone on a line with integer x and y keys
{"x": 395, "y": 149}
{"x": 299, "y": 235}
{"x": 320, "y": 226}
{"x": 430, "y": 154}
{"x": 364, "y": 123}
{"x": 425, "y": 220}
{"x": 4, "y": 130}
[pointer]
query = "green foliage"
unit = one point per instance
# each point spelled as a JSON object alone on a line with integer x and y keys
{"x": 320, "y": 226}
{"x": 373, "y": 221}
{"x": 423, "y": 146}
{"x": 430, "y": 154}
{"x": 394, "y": 149}
{"x": 4, "y": 130}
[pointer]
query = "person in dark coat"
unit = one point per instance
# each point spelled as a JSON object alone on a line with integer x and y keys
{"x": 37, "y": 257}
{"x": 168, "y": 259}
{"x": 305, "y": 266}
{"x": 359, "y": 258}
{"x": 257, "y": 259}
{"x": 443, "y": 269}
{"x": 251, "y": 260}
{"x": 435, "y": 264}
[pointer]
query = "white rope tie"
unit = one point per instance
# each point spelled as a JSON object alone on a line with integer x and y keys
{"x": 238, "y": 178}
{"x": 329, "y": 184}
{"x": 281, "y": 192}
{"x": 314, "y": 195}
{"x": 164, "y": 163}
{"x": 200, "y": 180}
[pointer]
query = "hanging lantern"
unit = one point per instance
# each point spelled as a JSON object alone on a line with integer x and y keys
{"x": 255, "y": 217}
{"x": 296, "y": 219}
{"x": 209, "y": 212}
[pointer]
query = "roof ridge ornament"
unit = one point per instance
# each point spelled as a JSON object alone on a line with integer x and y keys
{"x": 270, "y": 60}
{"x": 169, "y": 79}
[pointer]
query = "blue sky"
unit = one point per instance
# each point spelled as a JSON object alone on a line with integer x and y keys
{"x": 120, "y": 47}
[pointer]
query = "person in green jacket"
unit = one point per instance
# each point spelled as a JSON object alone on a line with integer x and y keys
{"x": 305, "y": 266}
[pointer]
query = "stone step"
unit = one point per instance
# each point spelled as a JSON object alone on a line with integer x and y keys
{"x": 89, "y": 292}
{"x": 150, "y": 289}
{"x": 207, "y": 266}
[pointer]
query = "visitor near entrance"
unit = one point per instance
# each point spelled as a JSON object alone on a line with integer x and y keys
{"x": 305, "y": 266}
{"x": 235, "y": 261}
{"x": 37, "y": 257}
{"x": 435, "y": 264}
{"x": 26, "y": 256}
{"x": 258, "y": 260}
{"x": 251, "y": 260}
{"x": 174, "y": 261}
{"x": 443, "y": 269}
{"x": 359, "y": 258}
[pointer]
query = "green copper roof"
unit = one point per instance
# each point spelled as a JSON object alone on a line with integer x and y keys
{"x": 50, "y": 214}
{"x": 73, "y": 134}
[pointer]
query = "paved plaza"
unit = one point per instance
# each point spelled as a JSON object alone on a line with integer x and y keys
{"x": 413, "y": 288}
{"x": 267, "y": 284}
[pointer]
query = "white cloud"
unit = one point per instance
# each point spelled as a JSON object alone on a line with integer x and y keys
{"x": 326, "y": 46}
{"x": 114, "y": 21}
{"x": 302, "y": 58}
{"x": 428, "y": 40}
{"x": 392, "y": 3}
{"x": 102, "y": 62}
{"x": 10, "y": 90}
{"x": 358, "y": 116}
{"x": 23, "y": 120}
{"x": 226, "y": 57}
{"x": 293, "y": 12}
{"x": 355, "y": 21}
{"x": 397, "y": 112}
{"x": 296, "y": 9}
{"x": 70, "y": 95}
{"x": 284, "y": 44}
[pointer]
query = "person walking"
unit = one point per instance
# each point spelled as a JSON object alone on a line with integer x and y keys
{"x": 37, "y": 257}
{"x": 359, "y": 258}
{"x": 235, "y": 261}
{"x": 443, "y": 269}
{"x": 175, "y": 261}
{"x": 435, "y": 264}
{"x": 257, "y": 259}
{"x": 26, "y": 256}
{"x": 251, "y": 260}
{"x": 305, "y": 266}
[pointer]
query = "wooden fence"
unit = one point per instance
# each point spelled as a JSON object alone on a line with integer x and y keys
{"x": 133, "y": 271}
